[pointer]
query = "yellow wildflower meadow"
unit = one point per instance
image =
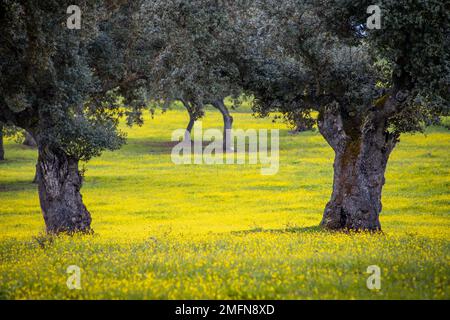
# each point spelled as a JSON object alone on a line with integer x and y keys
{"x": 165, "y": 231}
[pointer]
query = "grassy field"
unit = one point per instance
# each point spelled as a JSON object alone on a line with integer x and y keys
{"x": 225, "y": 231}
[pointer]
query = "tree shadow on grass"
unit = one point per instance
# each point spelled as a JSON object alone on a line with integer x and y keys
{"x": 11, "y": 186}
{"x": 298, "y": 230}
{"x": 141, "y": 146}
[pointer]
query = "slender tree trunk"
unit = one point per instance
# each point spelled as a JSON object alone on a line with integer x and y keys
{"x": 227, "y": 124}
{"x": 359, "y": 167}
{"x": 2, "y": 148}
{"x": 29, "y": 140}
{"x": 59, "y": 183}
{"x": 188, "y": 134}
{"x": 35, "y": 179}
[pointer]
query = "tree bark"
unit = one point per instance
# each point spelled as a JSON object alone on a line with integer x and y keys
{"x": 29, "y": 140}
{"x": 361, "y": 156}
{"x": 188, "y": 134}
{"x": 59, "y": 183}
{"x": 2, "y": 148}
{"x": 227, "y": 124}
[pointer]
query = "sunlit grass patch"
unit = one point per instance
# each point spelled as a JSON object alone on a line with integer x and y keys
{"x": 164, "y": 231}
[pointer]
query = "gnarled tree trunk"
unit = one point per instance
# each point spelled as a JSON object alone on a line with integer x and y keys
{"x": 2, "y": 148}
{"x": 227, "y": 124}
{"x": 359, "y": 166}
{"x": 59, "y": 183}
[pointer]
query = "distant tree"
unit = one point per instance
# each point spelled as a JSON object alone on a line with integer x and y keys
{"x": 60, "y": 84}
{"x": 298, "y": 120}
{"x": 367, "y": 85}
{"x": 195, "y": 112}
{"x": 227, "y": 123}
{"x": 29, "y": 140}
{"x": 20, "y": 136}
{"x": 296, "y": 124}
{"x": 194, "y": 62}
{"x": 8, "y": 131}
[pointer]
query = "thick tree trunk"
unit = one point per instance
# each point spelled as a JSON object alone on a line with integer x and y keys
{"x": 2, "y": 148}
{"x": 227, "y": 124}
{"x": 59, "y": 183}
{"x": 359, "y": 167}
{"x": 29, "y": 140}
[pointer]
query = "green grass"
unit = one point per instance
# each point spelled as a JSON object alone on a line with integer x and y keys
{"x": 225, "y": 231}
